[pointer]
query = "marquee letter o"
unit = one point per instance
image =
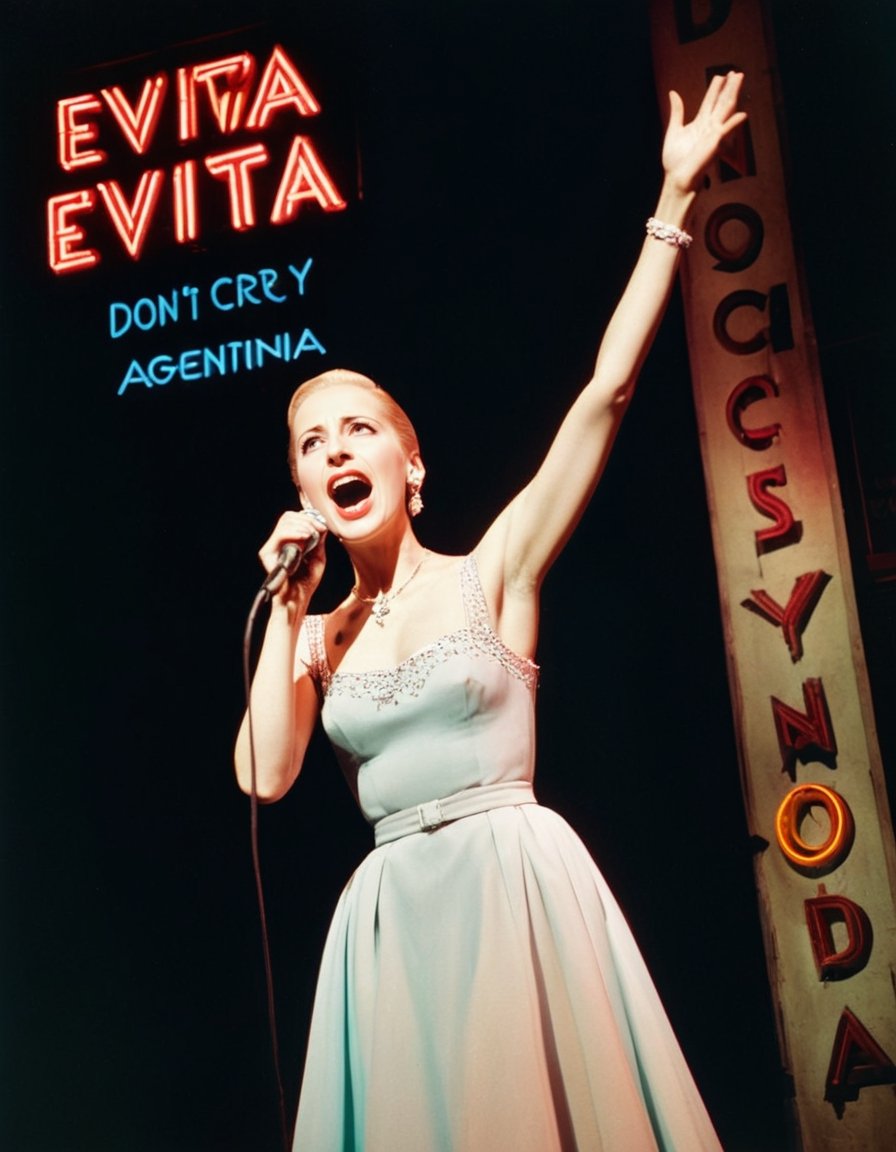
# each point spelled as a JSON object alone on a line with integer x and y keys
{"x": 814, "y": 859}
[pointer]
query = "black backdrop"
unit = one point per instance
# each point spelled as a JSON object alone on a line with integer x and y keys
{"x": 507, "y": 154}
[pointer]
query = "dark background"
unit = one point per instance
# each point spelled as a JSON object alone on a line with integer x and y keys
{"x": 508, "y": 158}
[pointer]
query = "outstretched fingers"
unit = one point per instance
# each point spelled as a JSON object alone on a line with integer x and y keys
{"x": 689, "y": 146}
{"x": 712, "y": 95}
{"x": 718, "y": 115}
{"x": 725, "y": 92}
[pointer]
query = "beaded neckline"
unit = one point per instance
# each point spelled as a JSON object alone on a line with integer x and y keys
{"x": 408, "y": 677}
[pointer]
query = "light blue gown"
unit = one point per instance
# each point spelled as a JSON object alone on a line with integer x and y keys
{"x": 480, "y": 990}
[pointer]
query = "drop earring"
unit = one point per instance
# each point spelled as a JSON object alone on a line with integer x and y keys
{"x": 415, "y": 500}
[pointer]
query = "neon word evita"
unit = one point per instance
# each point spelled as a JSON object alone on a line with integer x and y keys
{"x": 221, "y": 94}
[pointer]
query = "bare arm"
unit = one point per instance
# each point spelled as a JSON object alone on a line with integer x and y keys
{"x": 523, "y": 542}
{"x": 283, "y": 695}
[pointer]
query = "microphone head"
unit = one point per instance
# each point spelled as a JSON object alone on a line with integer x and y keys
{"x": 289, "y": 558}
{"x": 293, "y": 551}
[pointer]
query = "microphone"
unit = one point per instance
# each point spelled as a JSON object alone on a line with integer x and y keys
{"x": 290, "y": 557}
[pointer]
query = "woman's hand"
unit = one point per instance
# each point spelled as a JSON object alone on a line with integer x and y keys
{"x": 689, "y": 148}
{"x": 297, "y": 528}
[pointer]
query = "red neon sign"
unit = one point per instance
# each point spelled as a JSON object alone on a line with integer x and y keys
{"x": 214, "y": 97}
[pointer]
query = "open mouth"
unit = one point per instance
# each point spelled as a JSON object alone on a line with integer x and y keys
{"x": 349, "y": 491}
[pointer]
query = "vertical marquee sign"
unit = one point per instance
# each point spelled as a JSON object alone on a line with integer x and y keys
{"x": 810, "y": 766}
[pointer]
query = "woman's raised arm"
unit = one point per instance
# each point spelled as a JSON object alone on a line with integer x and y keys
{"x": 530, "y": 532}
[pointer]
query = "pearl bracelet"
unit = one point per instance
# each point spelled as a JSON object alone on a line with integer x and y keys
{"x": 669, "y": 233}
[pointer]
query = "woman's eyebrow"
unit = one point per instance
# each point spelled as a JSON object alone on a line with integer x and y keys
{"x": 343, "y": 420}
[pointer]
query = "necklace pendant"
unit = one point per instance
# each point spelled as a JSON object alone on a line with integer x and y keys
{"x": 379, "y": 604}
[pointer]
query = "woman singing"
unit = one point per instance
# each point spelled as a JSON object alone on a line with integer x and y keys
{"x": 480, "y": 990}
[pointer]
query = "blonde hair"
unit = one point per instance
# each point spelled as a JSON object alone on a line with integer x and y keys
{"x": 391, "y": 409}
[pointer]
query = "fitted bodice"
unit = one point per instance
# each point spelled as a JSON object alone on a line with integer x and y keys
{"x": 457, "y": 713}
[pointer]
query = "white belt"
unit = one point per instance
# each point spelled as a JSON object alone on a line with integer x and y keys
{"x": 434, "y": 813}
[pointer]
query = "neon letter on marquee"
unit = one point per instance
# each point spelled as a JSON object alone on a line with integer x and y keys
{"x": 186, "y": 217}
{"x": 304, "y": 178}
{"x": 748, "y": 392}
{"x": 822, "y": 912}
{"x": 814, "y": 859}
{"x": 227, "y": 106}
{"x": 731, "y": 258}
{"x": 779, "y": 332}
{"x": 63, "y": 237}
{"x": 785, "y": 529}
{"x": 234, "y": 167}
{"x": 805, "y": 735}
{"x": 689, "y": 29}
{"x": 72, "y": 133}
{"x": 794, "y": 617}
{"x": 132, "y": 220}
{"x": 742, "y": 298}
{"x": 279, "y": 86}
{"x": 857, "y": 1062}
{"x": 138, "y": 124}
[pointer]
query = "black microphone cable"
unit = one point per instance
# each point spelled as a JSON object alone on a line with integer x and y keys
{"x": 263, "y": 596}
{"x": 291, "y": 556}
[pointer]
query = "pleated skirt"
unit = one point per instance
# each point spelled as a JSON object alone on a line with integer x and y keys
{"x": 480, "y": 991}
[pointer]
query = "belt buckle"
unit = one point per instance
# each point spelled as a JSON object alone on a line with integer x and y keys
{"x": 430, "y": 815}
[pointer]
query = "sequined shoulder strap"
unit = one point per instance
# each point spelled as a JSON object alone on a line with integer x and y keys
{"x": 314, "y": 634}
{"x": 480, "y": 627}
{"x": 475, "y": 605}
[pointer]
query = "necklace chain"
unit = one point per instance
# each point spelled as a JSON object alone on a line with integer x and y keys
{"x": 380, "y": 602}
